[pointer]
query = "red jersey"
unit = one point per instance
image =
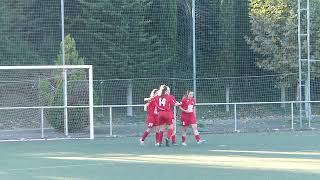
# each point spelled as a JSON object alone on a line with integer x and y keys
{"x": 164, "y": 103}
{"x": 152, "y": 119}
{"x": 152, "y": 109}
{"x": 188, "y": 104}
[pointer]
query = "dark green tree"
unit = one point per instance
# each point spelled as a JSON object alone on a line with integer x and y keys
{"x": 14, "y": 48}
{"x": 114, "y": 37}
{"x": 78, "y": 91}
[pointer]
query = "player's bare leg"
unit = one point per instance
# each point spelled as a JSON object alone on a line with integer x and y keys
{"x": 173, "y": 137}
{"x": 157, "y": 135}
{"x": 161, "y": 130}
{"x": 145, "y": 135}
{"x": 196, "y": 134}
{"x": 169, "y": 134}
{"x": 184, "y": 135}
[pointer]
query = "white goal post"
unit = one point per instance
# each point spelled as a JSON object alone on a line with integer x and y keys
{"x": 36, "y": 103}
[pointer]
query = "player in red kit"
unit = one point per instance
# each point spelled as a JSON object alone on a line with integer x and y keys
{"x": 152, "y": 118}
{"x": 173, "y": 137}
{"x": 164, "y": 103}
{"x": 188, "y": 117}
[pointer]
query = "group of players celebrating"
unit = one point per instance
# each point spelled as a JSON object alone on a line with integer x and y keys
{"x": 160, "y": 115}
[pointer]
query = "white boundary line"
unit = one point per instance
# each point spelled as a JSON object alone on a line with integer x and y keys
{"x": 44, "y": 139}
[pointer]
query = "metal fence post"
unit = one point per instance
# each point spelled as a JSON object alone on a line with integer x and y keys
{"x": 42, "y": 126}
{"x": 102, "y": 97}
{"x": 291, "y": 115}
{"x": 235, "y": 117}
{"x": 110, "y": 121}
{"x": 309, "y": 113}
{"x": 175, "y": 119}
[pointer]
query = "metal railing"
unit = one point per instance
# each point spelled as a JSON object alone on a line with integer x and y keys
{"x": 42, "y": 116}
{"x": 235, "y": 113}
{"x": 112, "y": 107}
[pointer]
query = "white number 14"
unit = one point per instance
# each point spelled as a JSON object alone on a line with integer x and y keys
{"x": 162, "y": 102}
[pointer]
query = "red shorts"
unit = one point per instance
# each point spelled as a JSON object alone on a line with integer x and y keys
{"x": 165, "y": 118}
{"x": 152, "y": 121}
{"x": 188, "y": 119}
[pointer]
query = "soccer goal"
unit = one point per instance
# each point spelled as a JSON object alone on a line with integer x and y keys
{"x": 46, "y": 102}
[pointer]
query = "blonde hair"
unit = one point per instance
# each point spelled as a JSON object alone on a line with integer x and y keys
{"x": 168, "y": 90}
{"x": 162, "y": 90}
{"x": 153, "y": 93}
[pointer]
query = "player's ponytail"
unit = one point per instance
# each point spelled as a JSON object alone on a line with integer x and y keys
{"x": 168, "y": 90}
{"x": 162, "y": 90}
{"x": 153, "y": 93}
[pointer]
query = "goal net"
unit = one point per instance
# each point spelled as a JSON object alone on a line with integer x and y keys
{"x": 46, "y": 102}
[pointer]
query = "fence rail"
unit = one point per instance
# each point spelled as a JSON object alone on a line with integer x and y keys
{"x": 235, "y": 114}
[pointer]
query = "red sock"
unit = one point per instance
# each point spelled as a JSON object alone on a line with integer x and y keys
{"x": 160, "y": 137}
{"x": 145, "y": 134}
{"x": 173, "y": 139}
{"x": 184, "y": 138}
{"x": 169, "y": 134}
{"x": 197, "y": 137}
{"x": 157, "y": 137}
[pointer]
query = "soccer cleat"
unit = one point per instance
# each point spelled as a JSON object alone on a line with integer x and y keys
{"x": 157, "y": 144}
{"x": 141, "y": 142}
{"x": 201, "y": 141}
{"x": 184, "y": 144}
{"x": 175, "y": 144}
{"x": 167, "y": 142}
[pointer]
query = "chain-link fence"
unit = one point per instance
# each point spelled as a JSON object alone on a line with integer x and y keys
{"x": 246, "y": 51}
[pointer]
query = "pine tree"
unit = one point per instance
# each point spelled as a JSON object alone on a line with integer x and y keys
{"x": 78, "y": 91}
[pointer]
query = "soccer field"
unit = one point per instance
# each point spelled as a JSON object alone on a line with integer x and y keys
{"x": 257, "y": 156}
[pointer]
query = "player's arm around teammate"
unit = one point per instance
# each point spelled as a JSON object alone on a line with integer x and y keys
{"x": 173, "y": 137}
{"x": 188, "y": 117}
{"x": 152, "y": 118}
{"x": 164, "y": 103}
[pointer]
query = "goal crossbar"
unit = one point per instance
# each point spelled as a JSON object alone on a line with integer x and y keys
{"x": 47, "y": 67}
